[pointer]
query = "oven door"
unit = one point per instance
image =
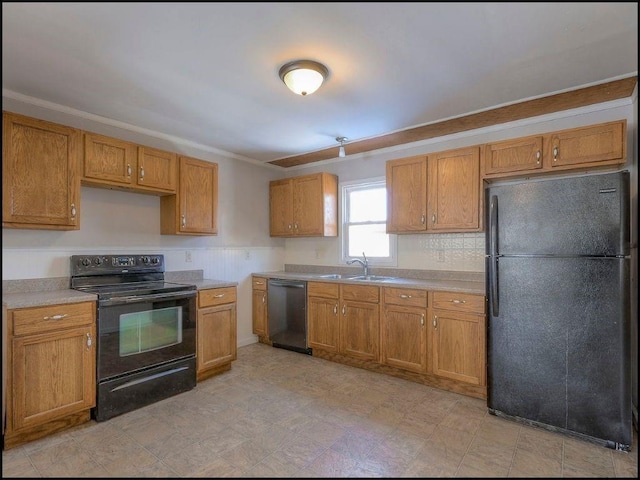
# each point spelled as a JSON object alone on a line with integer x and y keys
{"x": 139, "y": 332}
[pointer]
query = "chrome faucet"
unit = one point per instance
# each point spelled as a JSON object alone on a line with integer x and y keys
{"x": 364, "y": 264}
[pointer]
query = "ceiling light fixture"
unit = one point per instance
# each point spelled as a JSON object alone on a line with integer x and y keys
{"x": 341, "y": 152}
{"x": 303, "y": 76}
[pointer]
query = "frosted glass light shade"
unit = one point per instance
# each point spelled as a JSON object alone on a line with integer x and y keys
{"x": 303, "y": 77}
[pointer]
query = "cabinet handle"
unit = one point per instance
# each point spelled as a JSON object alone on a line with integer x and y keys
{"x": 538, "y": 155}
{"x": 141, "y": 173}
{"x": 89, "y": 341}
{"x": 458, "y": 301}
{"x": 295, "y": 225}
{"x": 433, "y": 218}
{"x": 423, "y": 218}
{"x": 290, "y": 227}
{"x": 184, "y": 220}
{"x": 128, "y": 169}
{"x": 264, "y": 298}
{"x": 402, "y": 295}
{"x": 56, "y": 317}
{"x": 73, "y": 211}
{"x": 335, "y": 309}
{"x": 422, "y": 320}
{"x": 556, "y": 152}
{"x": 259, "y": 283}
{"x": 435, "y": 321}
{"x": 344, "y": 310}
{"x": 220, "y": 295}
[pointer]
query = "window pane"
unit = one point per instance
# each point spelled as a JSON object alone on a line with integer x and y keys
{"x": 368, "y": 205}
{"x": 370, "y": 239}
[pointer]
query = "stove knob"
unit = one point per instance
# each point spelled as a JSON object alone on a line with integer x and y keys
{"x": 145, "y": 260}
{"x": 86, "y": 262}
{"x": 97, "y": 261}
{"x": 155, "y": 260}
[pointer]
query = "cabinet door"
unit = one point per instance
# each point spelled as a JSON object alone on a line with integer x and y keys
{"x": 459, "y": 346}
{"x": 603, "y": 144}
{"x": 194, "y": 209}
{"x": 518, "y": 155}
{"x": 308, "y": 205}
{"x": 216, "y": 332}
{"x": 407, "y": 195}
{"x": 404, "y": 338}
{"x": 157, "y": 170}
{"x": 53, "y": 375}
{"x": 454, "y": 190}
{"x": 108, "y": 159}
{"x": 259, "y": 314}
{"x": 281, "y": 208}
{"x": 323, "y": 324}
{"x": 359, "y": 330}
{"x": 40, "y": 174}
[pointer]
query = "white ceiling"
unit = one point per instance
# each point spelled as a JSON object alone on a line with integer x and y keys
{"x": 207, "y": 73}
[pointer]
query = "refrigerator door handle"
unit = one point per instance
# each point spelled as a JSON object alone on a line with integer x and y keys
{"x": 493, "y": 265}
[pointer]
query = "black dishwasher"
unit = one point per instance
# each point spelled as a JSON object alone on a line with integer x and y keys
{"x": 287, "y": 314}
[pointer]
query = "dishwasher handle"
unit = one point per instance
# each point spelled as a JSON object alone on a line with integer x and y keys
{"x": 287, "y": 283}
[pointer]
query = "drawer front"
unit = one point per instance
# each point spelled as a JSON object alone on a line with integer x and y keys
{"x": 216, "y": 296}
{"x": 259, "y": 283}
{"x": 52, "y": 317}
{"x": 405, "y": 297}
{"x": 360, "y": 293}
{"x": 321, "y": 289}
{"x": 461, "y": 302}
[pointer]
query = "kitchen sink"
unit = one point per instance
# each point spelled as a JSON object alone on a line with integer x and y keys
{"x": 371, "y": 278}
{"x": 334, "y": 275}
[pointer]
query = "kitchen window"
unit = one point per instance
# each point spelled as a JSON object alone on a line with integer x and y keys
{"x": 364, "y": 222}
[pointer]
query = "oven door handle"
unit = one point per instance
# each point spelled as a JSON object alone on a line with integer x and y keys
{"x": 147, "y": 298}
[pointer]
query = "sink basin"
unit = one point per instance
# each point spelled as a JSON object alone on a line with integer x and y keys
{"x": 372, "y": 278}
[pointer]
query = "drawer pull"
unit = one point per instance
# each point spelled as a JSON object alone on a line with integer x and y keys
{"x": 259, "y": 283}
{"x": 56, "y": 317}
{"x": 402, "y": 295}
{"x": 220, "y": 295}
{"x": 458, "y": 301}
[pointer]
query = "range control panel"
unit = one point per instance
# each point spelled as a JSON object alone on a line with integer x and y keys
{"x": 104, "y": 264}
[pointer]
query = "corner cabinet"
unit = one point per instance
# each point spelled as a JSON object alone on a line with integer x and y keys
{"x": 216, "y": 331}
{"x": 52, "y": 370}
{"x": 435, "y": 193}
{"x": 459, "y": 337}
{"x": 40, "y": 174}
{"x": 595, "y": 146}
{"x": 304, "y": 206}
{"x": 194, "y": 209}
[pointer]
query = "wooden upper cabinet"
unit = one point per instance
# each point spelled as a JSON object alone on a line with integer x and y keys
{"x": 40, "y": 174}
{"x": 595, "y": 146}
{"x": 304, "y": 206}
{"x": 513, "y": 155}
{"x": 109, "y": 160}
{"x": 193, "y": 210}
{"x": 438, "y": 193}
{"x": 407, "y": 195}
{"x": 113, "y": 163}
{"x": 157, "y": 169}
{"x": 453, "y": 203}
{"x": 603, "y": 144}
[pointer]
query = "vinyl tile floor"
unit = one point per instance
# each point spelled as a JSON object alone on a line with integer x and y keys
{"x": 278, "y": 413}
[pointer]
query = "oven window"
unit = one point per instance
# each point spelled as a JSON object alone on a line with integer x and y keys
{"x": 150, "y": 330}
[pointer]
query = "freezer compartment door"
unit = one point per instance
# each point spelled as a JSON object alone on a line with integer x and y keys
{"x": 586, "y": 215}
{"x": 559, "y": 350}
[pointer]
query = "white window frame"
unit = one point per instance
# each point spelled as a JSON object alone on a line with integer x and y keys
{"x": 345, "y": 189}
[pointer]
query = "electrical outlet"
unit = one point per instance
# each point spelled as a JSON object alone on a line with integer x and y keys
{"x": 187, "y": 256}
{"x": 247, "y": 254}
{"x": 441, "y": 255}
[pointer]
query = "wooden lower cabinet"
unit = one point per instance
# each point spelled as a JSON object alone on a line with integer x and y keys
{"x": 216, "y": 331}
{"x": 52, "y": 370}
{"x": 404, "y": 331}
{"x": 323, "y": 327}
{"x": 259, "y": 306}
{"x": 459, "y": 337}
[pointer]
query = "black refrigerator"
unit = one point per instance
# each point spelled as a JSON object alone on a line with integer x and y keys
{"x": 558, "y": 283}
